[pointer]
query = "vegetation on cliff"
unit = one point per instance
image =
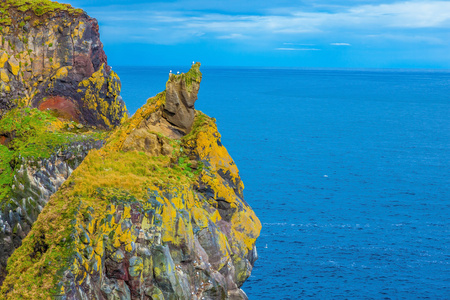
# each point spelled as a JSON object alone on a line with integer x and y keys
{"x": 38, "y": 7}
{"x": 31, "y": 134}
{"x": 153, "y": 213}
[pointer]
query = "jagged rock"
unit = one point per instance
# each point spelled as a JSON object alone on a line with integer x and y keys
{"x": 13, "y": 66}
{"x": 181, "y": 94}
{"x": 3, "y": 59}
{"x": 52, "y": 51}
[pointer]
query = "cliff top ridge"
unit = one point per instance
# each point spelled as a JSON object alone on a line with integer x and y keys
{"x": 38, "y": 7}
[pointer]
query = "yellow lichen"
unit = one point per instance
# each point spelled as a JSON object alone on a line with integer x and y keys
{"x": 14, "y": 66}
{"x": 98, "y": 202}
{"x": 62, "y": 72}
{"x": 3, "y": 59}
{"x": 4, "y": 76}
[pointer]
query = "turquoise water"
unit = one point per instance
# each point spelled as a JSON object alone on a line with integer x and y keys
{"x": 346, "y": 169}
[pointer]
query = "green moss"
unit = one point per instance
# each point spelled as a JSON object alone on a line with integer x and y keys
{"x": 40, "y": 7}
{"x": 199, "y": 125}
{"x": 106, "y": 176}
{"x": 37, "y": 135}
{"x": 194, "y": 75}
{"x": 6, "y": 174}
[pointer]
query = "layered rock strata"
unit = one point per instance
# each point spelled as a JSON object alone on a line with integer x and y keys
{"x": 157, "y": 213}
{"x": 51, "y": 57}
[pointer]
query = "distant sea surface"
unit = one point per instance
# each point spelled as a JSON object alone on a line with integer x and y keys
{"x": 348, "y": 171}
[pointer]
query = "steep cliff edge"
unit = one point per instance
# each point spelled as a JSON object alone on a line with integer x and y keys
{"x": 157, "y": 213}
{"x": 38, "y": 152}
{"x": 54, "y": 78}
{"x": 51, "y": 57}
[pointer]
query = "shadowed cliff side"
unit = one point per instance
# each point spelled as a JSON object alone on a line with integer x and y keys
{"x": 157, "y": 213}
{"x": 51, "y": 58}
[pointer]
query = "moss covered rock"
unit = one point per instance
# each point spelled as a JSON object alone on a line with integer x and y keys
{"x": 52, "y": 58}
{"x": 38, "y": 152}
{"x": 136, "y": 223}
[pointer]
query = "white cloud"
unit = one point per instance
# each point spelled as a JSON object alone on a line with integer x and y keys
{"x": 233, "y": 36}
{"x": 297, "y": 49}
{"x": 296, "y": 44}
{"x": 175, "y": 26}
{"x": 409, "y": 14}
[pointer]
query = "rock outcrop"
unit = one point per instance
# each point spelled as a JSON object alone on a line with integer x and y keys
{"x": 51, "y": 57}
{"x": 95, "y": 205}
{"x": 181, "y": 94}
{"x": 157, "y": 213}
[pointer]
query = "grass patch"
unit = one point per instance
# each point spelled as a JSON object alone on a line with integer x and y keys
{"x": 38, "y": 7}
{"x": 34, "y": 135}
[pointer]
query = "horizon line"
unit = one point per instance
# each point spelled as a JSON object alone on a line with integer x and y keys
{"x": 292, "y": 68}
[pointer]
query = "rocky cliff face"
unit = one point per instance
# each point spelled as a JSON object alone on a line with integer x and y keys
{"x": 52, "y": 60}
{"x": 34, "y": 181}
{"x": 157, "y": 213}
{"x": 51, "y": 57}
{"x": 38, "y": 152}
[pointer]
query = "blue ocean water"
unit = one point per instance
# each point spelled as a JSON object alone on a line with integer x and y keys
{"x": 348, "y": 170}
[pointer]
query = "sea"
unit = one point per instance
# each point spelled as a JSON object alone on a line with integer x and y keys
{"x": 348, "y": 171}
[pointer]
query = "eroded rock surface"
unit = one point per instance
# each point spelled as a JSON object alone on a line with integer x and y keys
{"x": 181, "y": 94}
{"x": 52, "y": 58}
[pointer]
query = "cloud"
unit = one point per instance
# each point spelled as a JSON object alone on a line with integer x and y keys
{"x": 296, "y": 44}
{"x": 232, "y": 36}
{"x": 170, "y": 24}
{"x": 297, "y": 49}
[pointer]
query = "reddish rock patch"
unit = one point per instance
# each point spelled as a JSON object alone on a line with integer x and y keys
{"x": 3, "y": 140}
{"x": 82, "y": 64}
{"x": 63, "y": 107}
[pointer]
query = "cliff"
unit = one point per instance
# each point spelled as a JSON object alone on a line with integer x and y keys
{"x": 57, "y": 93}
{"x": 95, "y": 205}
{"x": 157, "y": 213}
{"x": 38, "y": 152}
{"x": 51, "y": 57}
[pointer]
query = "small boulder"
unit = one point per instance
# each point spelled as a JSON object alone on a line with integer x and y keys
{"x": 3, "y": 59}
{"x": 13, "y": 66}
{"x": 4, "y": 75}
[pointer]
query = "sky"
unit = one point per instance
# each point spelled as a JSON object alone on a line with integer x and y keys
{"x": 285, "y": 33}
